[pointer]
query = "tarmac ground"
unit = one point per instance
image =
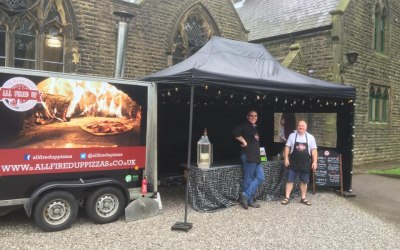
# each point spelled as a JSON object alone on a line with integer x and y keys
{"x": 376, "y": 194}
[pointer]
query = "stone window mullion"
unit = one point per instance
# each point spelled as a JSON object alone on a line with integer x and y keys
{"x": 2, "y": 46}
{"x": 10, "y": 48}
{"x": 39, "y": 49}
{"x": 385, "y": 105}
{"x": 371, "y": 109}
{"x": 377, "y": 105}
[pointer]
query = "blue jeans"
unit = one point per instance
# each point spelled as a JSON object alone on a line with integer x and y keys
{"x": 253, "y": 176}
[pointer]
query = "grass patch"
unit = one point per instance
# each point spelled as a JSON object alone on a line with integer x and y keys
{"x": 394, "y": 171}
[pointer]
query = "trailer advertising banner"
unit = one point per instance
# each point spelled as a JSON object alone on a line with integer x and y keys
{"x": 58, "y": 125}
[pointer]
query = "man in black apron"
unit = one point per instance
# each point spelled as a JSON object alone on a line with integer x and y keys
{"x": 300, "y": 156}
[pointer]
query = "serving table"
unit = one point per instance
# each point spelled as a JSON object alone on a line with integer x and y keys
{"x": 217, "y": 187}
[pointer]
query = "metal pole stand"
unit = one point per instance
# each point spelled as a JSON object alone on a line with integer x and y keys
{"x": 186, "y": 226}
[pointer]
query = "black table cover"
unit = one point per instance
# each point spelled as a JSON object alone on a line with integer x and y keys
{"x": 211, "y": 189}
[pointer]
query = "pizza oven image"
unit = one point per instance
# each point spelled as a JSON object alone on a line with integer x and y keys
{"x": 78, "y": 113}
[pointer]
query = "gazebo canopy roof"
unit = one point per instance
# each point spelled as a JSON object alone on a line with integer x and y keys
{"x": 228, "y": 63}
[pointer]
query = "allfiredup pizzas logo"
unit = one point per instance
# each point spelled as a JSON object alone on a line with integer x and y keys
{"x": 20, "y": 94}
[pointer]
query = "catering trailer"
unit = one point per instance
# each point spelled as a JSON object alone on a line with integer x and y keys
{"x": 69, "y": 141}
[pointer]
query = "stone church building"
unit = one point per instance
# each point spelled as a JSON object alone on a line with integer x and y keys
{"x": 160, "y": 33}
{"x": 312, "y": 37}
{"x": 318, "y": 37}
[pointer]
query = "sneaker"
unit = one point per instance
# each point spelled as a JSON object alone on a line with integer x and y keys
{"x": 243, "y": 201}
{"x": 254, "y": 205}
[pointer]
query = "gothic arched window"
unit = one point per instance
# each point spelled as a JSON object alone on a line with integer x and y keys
{"x": 36, "y": 34}
{"x": 194, "y": 30}
{"x": 379, "y": 99}
{"x": 381, "y": 29}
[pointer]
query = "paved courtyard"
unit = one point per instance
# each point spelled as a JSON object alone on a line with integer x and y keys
{"x": 332, "y": 222}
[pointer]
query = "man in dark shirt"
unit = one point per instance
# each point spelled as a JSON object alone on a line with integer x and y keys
{"x": 253, "y": 173}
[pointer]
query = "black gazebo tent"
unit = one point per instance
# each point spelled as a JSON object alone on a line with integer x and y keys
{"x": 230, "y": 66}
{"x": 229, "y": 63}
{"x": 248, "y": 69}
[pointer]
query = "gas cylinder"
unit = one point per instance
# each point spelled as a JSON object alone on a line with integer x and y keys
{"x": 144, "y": 185}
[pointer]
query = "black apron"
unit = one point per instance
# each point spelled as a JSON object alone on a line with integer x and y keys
{"x": 300, "y": 159}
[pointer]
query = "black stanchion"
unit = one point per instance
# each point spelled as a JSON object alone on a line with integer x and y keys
{"x": 185, "y": 225}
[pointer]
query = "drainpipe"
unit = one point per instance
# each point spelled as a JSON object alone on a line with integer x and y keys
{"x": 122, "y": 35}
{"x": 337, "y": 45}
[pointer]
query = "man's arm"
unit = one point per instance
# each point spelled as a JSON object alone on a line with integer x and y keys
{"x": 242, "y": 141}
{"x": 286, "y": 156}
{"x": 237, "y": 133}
{"x": 314, "y": 158}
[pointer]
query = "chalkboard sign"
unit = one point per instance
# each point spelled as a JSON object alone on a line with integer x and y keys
{"x": 328, "y": 172}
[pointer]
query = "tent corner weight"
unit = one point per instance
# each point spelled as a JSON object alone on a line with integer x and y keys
{"x": 182, "y": 226}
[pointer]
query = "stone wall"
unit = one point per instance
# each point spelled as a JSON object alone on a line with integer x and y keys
{"x": 374, "y": 143}
{"x": 315, "y": 47}
{"x": 149, "y": 32}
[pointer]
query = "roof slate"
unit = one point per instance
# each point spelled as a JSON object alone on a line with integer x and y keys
{"x": 269, "y": 18}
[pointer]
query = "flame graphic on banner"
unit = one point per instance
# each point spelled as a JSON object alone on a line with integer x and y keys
{"x": 88, "y": 98}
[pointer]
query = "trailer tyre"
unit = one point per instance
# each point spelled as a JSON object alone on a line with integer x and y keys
{"x": 105, "y": 205}
{"x": 55, "y": 211}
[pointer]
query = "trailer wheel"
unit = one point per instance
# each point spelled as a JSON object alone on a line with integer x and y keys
{"x": 55, "y": 211}
{"x": 105, "y": 205}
